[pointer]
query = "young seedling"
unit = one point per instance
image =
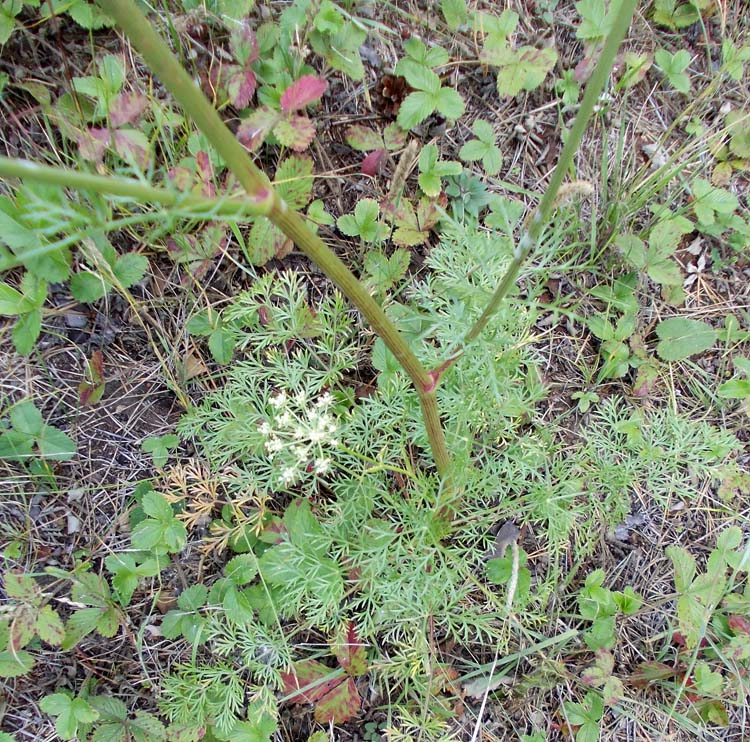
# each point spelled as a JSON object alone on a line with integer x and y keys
{"x": 483, "y": 148}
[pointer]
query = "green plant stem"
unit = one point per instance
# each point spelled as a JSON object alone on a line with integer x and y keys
{"x": 541, "y": 216}
{"x": 160, "y": 59}
{"x": 198, "y": 206}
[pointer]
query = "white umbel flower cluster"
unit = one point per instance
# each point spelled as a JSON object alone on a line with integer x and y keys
{"x": 299, "y": 435}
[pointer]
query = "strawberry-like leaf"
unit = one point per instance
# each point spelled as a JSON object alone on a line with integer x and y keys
{"x": 295, "y": 132}
{"x": 339, "y": 705}
{"x": 254, "y": 129}
{"x": 127, "y": 108}
{"x": 301, "y": 93}
{"x": 349, "y": 650}
{"x": 240, "y": 86}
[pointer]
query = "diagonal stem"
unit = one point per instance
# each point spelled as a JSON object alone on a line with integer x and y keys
{"x": 163, "y": 63}
{"x": 541, "y": 216}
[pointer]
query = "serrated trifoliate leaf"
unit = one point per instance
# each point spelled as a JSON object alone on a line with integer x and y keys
{"x": 681, "y": 338}
{"x": 156, "y": 506}
{"x": 363, "y": 139}
{"x": 203, "y": 323}
{"x": 241, "y": 569}
{"x": 295, "y": 132}
{"x": 524, "y": 69}
{"x": 193, "y": 598}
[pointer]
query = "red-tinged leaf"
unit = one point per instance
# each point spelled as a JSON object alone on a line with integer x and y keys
{"x": 205, "y": 172}
{"x": 585, "y": 67}
{"x": 132, "y": 144}
{"x": 372, "y": 164}
{"x": 649, "y": 672}
{"x": 255, "y": 128}
{"x": 301, "y": 93}
{"x": 428, "y": 214}
{"x": 339, "y": 705}
{"x": 244, "y": 44}
{"x": 21, "y": 586}
{"x": 363, "y": 138}
{"x": 127, "y": 108}
{"x": 394, "y": 137}
{"x": 349, "y": 650}
{"x": 93, "y": 143}
{"x": 307, "y": 683}
{"x": 90, "y": 390}
{"x": 295, "y": 132}
{"x": 240, "y": 86}
{"x": 22, "y": 627}
{"x": 181, "y": 177}
{"x": 739, "y": 624}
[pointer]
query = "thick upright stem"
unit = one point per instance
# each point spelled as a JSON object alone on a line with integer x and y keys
{"x": 163, "y": 63}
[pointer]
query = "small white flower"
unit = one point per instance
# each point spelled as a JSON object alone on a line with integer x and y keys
{"x": 288, "y": 475}
{"x": 274, "y": 445}
{"x": 265, "y": 428}
{"x": 300, "y": 452}
{"x": 300, "y": 398}
{"x": 333, "y": 442}
{"x": 285, "y": 419}
{"x": 317, "y": 435}
{"x": 278, "y": 400}
{"x": 322, "y": 465}
{"x": 325, "y": 400}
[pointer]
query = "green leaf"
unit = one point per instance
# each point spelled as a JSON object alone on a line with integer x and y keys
{"x": 473, "y": 150}
{"x": 49, "y": 626}
{"x": 26, "y": 418}
{"x": 26, "y": 331}
{"x": 450, "y": 104}
{"x": 523, "y": 69}
{"x": 681, "y": 338}
{"x": 221, "y": 344}
{"x": 193, "y": 598}
{"x": 13, "y": 664}
{"x": 157, "y": 506}
{"x": 684, "y": 567}
{"x": 203, "y": 323}
{"x": 455, "y": 13}
{"x": 56, "y": 445}
{"x": 12, "y": 302}
{"x": 734, "y": 389}
{"x": 421, "y": 78}
{"x": 709, "y": 201}
{"x": 260, "y": 728}
{"x": 88, "y": 287}
{"x": 130, "y": 268}
{"x": 80, "y": 624}
{"x": 673, "y": 66}
{"x": 415, "y": 108}
{"x": 294, "y": 181}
